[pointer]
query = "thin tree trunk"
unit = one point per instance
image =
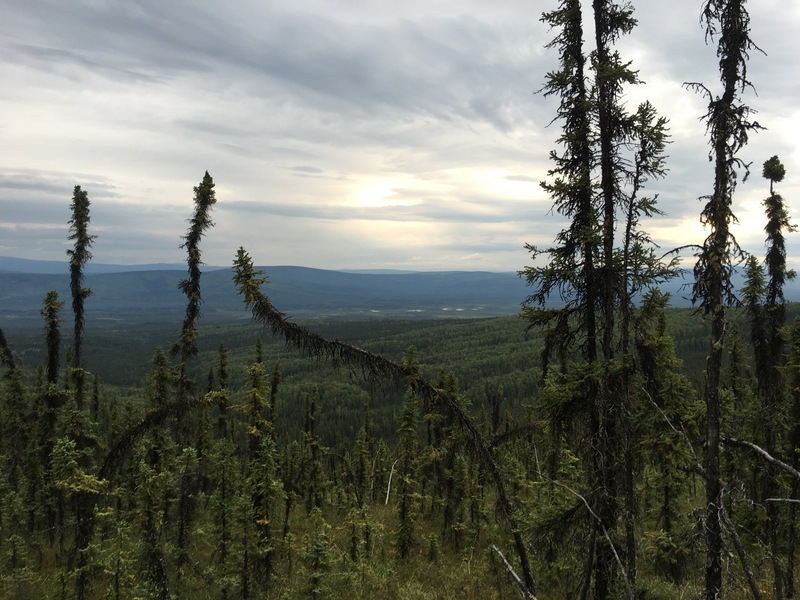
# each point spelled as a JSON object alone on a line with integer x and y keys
{"x": 586, "y": 584}
{"x": 792, "y": 542}
{"x": 713, "y": 526}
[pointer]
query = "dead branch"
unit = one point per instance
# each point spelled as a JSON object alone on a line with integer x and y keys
{"x": 763, "y": 454}
{"x": 389, "y": 486}
{"x": 520, "y": 584}
{"x": 604, "y": 531}
{"x": 697, "y": 466}
{"x": 737, "y": 543}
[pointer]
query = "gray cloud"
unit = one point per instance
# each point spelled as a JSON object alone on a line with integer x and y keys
{"x": 32, "y": 184}
{"x": 307, "y": 170}
{"x": 434, "y": 210}
{"x": 340, "y": 134}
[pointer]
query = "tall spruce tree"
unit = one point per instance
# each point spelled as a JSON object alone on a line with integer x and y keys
{"x": 204, "y": 200}
{"x": 764, "y": 301}
{"x": 728, "y": 122}
{"x": 641, "y": 269}
{"x": 260, "y": 474}
{"x": 606, "y": 157}
{"x": 774, "y": 391}
{"x": 152, "y": 472}
{"x": 79, "y": 255}
{"x": 570, "y": 271}
{"x": 186, "y": 348}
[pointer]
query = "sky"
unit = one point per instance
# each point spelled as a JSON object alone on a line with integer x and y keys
{"x": 346, "y": 134}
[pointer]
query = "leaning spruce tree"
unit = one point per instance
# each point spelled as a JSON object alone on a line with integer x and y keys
{"x": 728, "y": 124}
{"x": 377, "y": 368}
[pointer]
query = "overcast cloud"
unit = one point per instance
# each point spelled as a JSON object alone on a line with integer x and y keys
{"x": 343, "y": 134}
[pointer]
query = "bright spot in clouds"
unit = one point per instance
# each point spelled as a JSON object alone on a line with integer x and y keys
{"x": 379, "y": 195}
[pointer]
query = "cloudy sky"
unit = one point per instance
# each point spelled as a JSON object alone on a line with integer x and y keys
{"x": 342, "y": 134}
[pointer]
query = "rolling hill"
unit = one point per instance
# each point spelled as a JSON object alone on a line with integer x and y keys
{"x": 152, "y": 294}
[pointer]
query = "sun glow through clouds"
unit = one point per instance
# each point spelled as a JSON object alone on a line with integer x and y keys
{"x": 380, "y": 195}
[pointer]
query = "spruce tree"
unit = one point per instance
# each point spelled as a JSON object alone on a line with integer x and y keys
{"x": 16, "y": 476}
{"x": 204, "y": 200}
{"x": 50, "y": 399}
{"x": 14, "y": 418}
{"x": 406, "y": 471}
{"x": 152, "y": 465}
{"x": 570, "y": 271}
{"x": 79, "y": 255}
{"x": 764, "y": 300}
{"x": 312, "y": 455}
{"x": 52, "y": 334}
{"x": 728, "y": 124}
{"x": 606, "y": 157}
{"x": 186, "y": 348}
{"x": 665, "y": 419}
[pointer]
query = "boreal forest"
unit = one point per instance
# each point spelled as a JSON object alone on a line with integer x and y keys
{"x": 600, "y": 444}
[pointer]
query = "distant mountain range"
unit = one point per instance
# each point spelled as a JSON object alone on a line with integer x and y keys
{"x": 149, "y": 293}
{"x": 10, "y": 264}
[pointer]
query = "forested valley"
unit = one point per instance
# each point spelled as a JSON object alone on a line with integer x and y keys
{"x": 599, "y": 445}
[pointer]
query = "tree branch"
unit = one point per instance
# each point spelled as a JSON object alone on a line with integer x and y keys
{"x": 522, "y": 589}
{"x": 389, "y": 486}
{"x": 603, "y": 530}
{"x": 763, "y": 454}
{"x": 737, "y": 543}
